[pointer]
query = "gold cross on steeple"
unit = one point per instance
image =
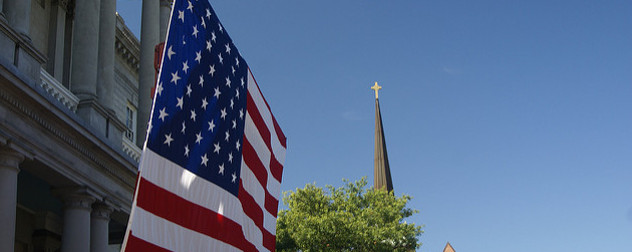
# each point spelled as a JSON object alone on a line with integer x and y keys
{"x": 376, "y": 88}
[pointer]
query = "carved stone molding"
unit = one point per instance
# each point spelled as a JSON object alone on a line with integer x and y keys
{"x": 64, "y": 136}
{"x": 10, "y": 159}
{"x": 128, "y": 55}
{"x": 62, "y": 3}
{"x": 101, "y": 210}
{"x": 75, "y": 197}
{"x": 70, "y": 8}
{"x": 78, "y": 201}
{"x": 58, "y": 91}
{"x": 131, "y": 149}
{"x": 167, "y": 3}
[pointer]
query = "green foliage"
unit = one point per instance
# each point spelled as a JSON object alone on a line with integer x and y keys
{"x": 349, "y": 218}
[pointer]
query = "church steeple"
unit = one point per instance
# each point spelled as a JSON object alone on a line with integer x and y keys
{"x": 381, "y": 170}
{"x": 448, "y": 248}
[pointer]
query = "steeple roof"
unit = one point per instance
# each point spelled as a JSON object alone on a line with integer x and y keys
{"x": 448, "y": 248}
{"x": 381, "y": 170}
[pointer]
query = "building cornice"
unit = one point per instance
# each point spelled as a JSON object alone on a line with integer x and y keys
{"x": 127, "y": 45}
{"x": 55, "y": 135}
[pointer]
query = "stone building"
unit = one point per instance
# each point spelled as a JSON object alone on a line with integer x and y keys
{"x": 75, "y": 89}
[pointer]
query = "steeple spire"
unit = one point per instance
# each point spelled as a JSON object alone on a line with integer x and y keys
{"x": 381, "y": 170}
{"x": 448, "y": 248}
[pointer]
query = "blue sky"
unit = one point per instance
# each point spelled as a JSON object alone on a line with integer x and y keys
{"x": 508, "y": 122}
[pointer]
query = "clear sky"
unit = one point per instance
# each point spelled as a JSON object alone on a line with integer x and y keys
{"x": 508, "y": 122}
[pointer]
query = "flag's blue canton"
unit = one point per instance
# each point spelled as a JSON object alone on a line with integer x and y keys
{"x": 200, "y": 105}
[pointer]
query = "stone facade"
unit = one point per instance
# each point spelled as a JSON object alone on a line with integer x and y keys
{"x": 69, "y": 113}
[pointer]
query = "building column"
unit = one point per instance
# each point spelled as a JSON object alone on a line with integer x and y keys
{"x": 85, "y": 45}
{"x": 76, "y": 231}
{"x": 149, "y": 33}
{"x": 99, "y": 232}
{"x": 165, "y": 13}
{"x": 57, "y": 34}
{"x": 107, "y": 33}
{"x": 18, "y": 13}
{"x": 9, "y": 161}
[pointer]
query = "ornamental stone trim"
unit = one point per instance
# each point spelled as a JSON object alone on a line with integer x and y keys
{"x": 167, "y": 3}
{"x": 127, "y": 45}
{"x": 58, "y": 91}
{"x": 101, "y": 210}
{"x": 131, "y": 149}
{"x": 63, "y": 137}
{"x": 61, "y": 3}
{"x": 79, "y": 199}
{"x": 77, "y": 202}
{"x": 10, "y": 159}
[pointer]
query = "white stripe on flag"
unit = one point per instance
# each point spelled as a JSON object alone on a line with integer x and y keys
{"x": 165, "y": 234}
{"x": 273, "y": 185}
{"x": 167, "y": 175}
{"x": 257, "y": 97}
{"x": 252, "y": 186}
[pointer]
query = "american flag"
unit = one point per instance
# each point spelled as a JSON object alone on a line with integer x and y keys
{"x": 210, "y": 172}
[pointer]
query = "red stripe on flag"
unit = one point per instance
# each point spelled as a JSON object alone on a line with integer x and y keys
{"x": 276, "y": 168}
{"x": 134, "y": 244}
{"x": 272, "y": 204}
{"x": 251, "y": 107}
{"x": 269, "y": 241}
{"x": 254, "y": 163}
{"x": 279, "y": 132}
{"x": 169, "y": 206}
{"x": 250, "y": 206}
{"x": 277, "y": 128}
{"x": 253, "y": 210}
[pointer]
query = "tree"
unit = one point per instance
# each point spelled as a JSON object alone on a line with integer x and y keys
{"x": 349, "y": 218}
